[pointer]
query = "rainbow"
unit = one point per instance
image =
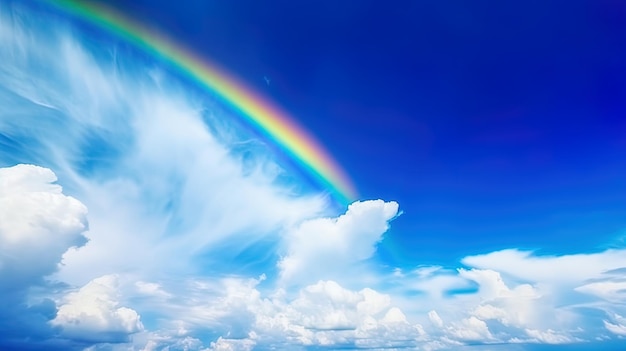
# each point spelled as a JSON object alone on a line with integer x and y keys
{"x": 264, "y": 116}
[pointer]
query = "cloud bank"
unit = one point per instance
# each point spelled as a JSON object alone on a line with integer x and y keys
{"x": 232, "y": 312}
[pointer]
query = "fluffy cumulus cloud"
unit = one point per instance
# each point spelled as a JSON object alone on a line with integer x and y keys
{"x": 575, "y": 283}
{"x": 38, "y": 223}
{"x": 232, "y": 344}
{"x": 511, "y": 307}
{"x": 199, "y": 240}
{"x": 323, "y": 314}
{"x": 316, "y": 247}
{"x": 238, "y": 313}
{"x": 94, "y": 313}
{"x": 516, "y": 298}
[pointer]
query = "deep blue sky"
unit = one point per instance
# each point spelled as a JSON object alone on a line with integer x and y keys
{"x": 494, "y": 124}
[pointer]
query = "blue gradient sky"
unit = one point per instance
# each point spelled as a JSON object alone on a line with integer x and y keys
{"x": 494, "y": 124}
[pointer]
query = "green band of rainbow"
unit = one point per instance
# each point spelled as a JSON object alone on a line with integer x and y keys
{"x": 259, "y": 112}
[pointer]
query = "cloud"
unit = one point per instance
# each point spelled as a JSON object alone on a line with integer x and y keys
{"x": 165, "y": 176}
{"x": 38, "y": 223}
{"x": 316, "y": 247}
{"x": 511, "y": 307}
{"x": 159, "y": 164}
{"x": 515, "y": 301}
{"x": 550, "y": 269}
{"x": 233, "y": 344}
{"x": 470, "y": 329}
{"x": 617, "y": 326}
{"x": 148, "y": 289}
{"x": 549, "y": 336}
{"x": 236, "y": 313}
{"x": 93, "y": 313}
{"x": 186, "y": 209}
{"x": 320, "y": 314}
{"x": 435, "y": 319}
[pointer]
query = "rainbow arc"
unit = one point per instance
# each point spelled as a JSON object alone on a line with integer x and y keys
{"x": 262, "y": 114}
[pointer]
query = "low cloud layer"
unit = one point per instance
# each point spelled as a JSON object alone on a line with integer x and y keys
{"x": 232, "y": 312}
{"x": 93, "y": 313}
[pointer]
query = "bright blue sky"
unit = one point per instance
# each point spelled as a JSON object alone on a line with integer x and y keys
{"x": 496, "y": 129}
{"x": 494, "y": 125}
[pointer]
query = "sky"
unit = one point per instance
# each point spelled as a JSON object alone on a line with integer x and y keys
{"x": 480, "y": 118}
{"x": 486, "y": 141}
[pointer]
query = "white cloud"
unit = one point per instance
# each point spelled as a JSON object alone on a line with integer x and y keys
{"x": 511, "y": 307}
{"x": 561, "y": 270}
{"x": 611, "y": 291}
{"x": 427, "y": 271}
{"x": 434, "y": 282}
{"x": 94, "y": 313}
{"x": 194, "y": 189}
{"x": 549, "y": 336}
{"x": 223, "y": 344}
{"x": 38, "y": 223}
{"x": 435, "y": 319}
{"x": 557, "y": 303}
{"x": 470, "y": 329}
{"x": 318, "y": 246}
{"x": 617, "y": 326}
{"x": 393, "y": 330}
{"x": 506, "y": 308}
{"x": 151, "y": 289}
{"x": 324, "y": 313}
